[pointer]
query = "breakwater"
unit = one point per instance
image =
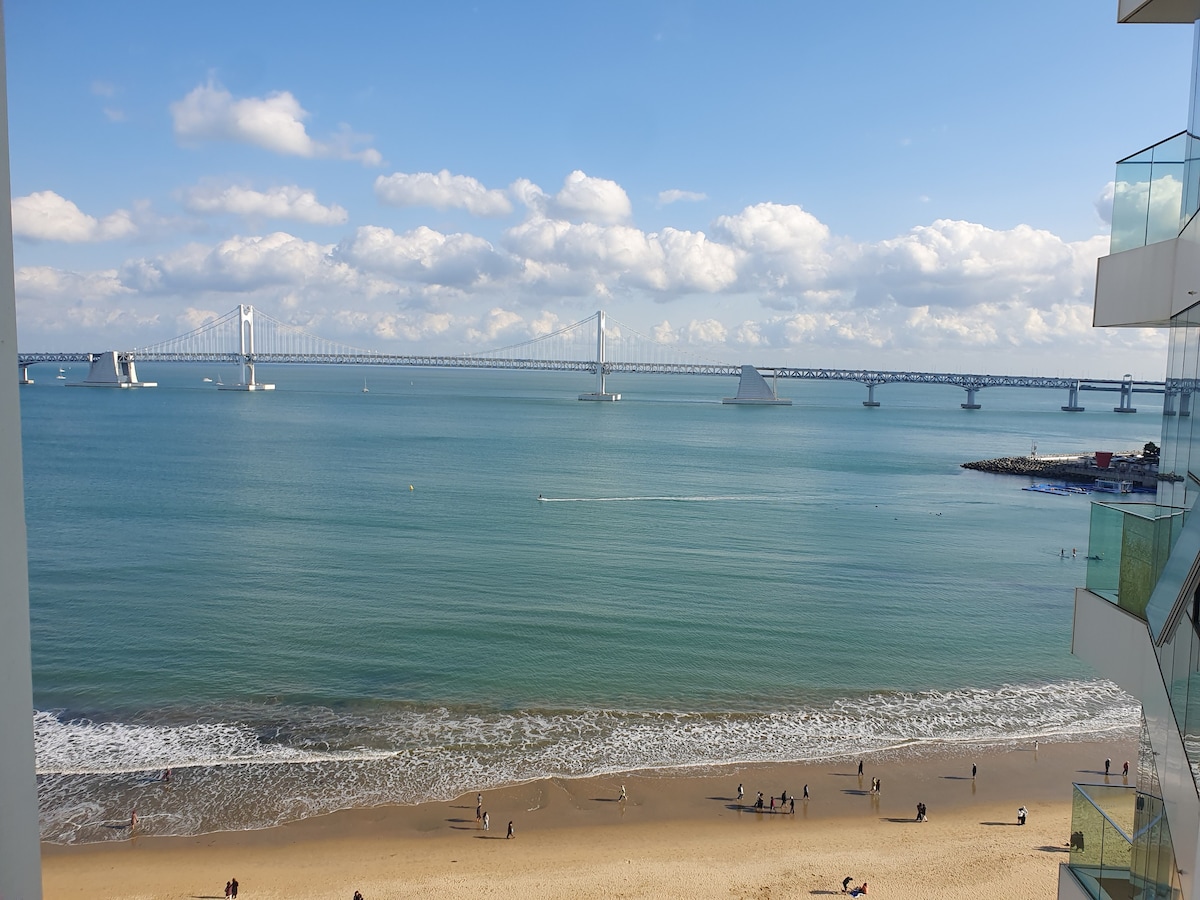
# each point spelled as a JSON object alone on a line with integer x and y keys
{"x": 1078, "y": 468}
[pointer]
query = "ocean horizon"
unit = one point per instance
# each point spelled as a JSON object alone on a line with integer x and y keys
{"x": 321, "y": 598}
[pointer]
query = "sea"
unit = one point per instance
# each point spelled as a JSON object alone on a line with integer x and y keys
{"x": 323, "y": 598}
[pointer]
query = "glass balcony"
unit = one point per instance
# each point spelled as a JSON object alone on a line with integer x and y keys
{"x": 1153, "y": 197}
{"x": 1120, "y": 844}
{"x": 1128, "y": 545}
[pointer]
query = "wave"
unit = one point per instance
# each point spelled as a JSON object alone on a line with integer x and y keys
{"x": 300, "y": 762}
{"x": 644, "y": 499}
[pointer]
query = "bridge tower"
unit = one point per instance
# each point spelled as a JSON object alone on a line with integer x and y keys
{"x": 1126, "y": 396}
{"x": 246, "y": 352}
{"x": 600, "y": 393}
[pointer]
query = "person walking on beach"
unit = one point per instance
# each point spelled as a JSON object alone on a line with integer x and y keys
{"x": 511, "y": 833}
{"x": 623, "y": 796}
{"x": 1107, "y": 765}
{"x": 486, "y": 821}
{"x": 792, "y": 804}
{"x": 133, "y": 819}
{"x": 772, "y": 803}
{"x": 228, "y": 888}
{"x": 1125, "y": 769}
{"x": 806, "y": 792}
{"x": 741, "y": 793}
{"x": 1022, "y": 815}
{"x": 974, "y": 769}
{"x": 860, "y": 768}
{"x": 758, "y": 804}
{"x": 233, "y": 888}
{"x": 478, "y": 811}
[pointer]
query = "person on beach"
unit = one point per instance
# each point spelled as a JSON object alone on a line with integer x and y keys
{"x": 878, "y": 785}
{"x": 478, "y": 811}
{"x": 511, "y": 833}
{"x": 479, "y": 799}
{"x": 783, "y": 798}
{"x": 486, "y": 821}
{"x": 623, "y": 795}
{"x": 1125, "y": 769}
{"x": 228, "y": 888}
{"x": 166, "y": 776}
{"x": 806, "y": 792}
{"x": 741, "y": 793}
{"x": 860, "y": 768}
{"x": 792, "y": 804}
{"x": 974, "y": 769}
{"x": 1022, "y": 815}
{"x": 358, "y": 895}
{"x": 772, "y": 803}
{"x": 133, "y": 819}
{"x": 758, "y": 804}
{"x": 846, "y": 883}
{"x": 1107, "y": 766}
{"x": 233, "y": 888}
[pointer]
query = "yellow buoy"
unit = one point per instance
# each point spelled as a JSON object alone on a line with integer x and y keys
{"x": 410, "y": 487}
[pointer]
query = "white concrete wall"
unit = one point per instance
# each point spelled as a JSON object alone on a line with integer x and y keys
{"x": 20, "y": 863}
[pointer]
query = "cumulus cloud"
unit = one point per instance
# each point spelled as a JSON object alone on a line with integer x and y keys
{"x": 284, "y": 202}
{"x": 441, "y": 190}
{"x": 46, "y": 216}
{"x": 581, "y": 199}
{"x": 275, "y": 122}
{"x": 666, "y": 198}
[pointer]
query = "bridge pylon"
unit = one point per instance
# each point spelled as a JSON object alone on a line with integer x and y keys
{"x": 246, "y": 352}
{"x": 600, "y": 393}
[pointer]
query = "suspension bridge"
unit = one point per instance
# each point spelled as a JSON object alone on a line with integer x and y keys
{"x": 598, "y": 345}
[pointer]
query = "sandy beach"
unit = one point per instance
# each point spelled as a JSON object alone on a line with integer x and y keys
{"x": 677, "y": 835}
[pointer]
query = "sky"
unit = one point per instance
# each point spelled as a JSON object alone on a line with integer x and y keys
{"x": 921, "y": 186}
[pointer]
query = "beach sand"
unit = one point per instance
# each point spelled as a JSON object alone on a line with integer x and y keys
{"x": 677, "y": 835}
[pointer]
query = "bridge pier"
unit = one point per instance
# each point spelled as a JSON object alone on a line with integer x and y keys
{"x": 1126, "y": 396}
{"x": 1185, "y": 404}
{"x": 1073, "y": 400}
{"x": 600, "y": 393}
{"x": 971, "y": 404}
{"x": 870, "y": 401}
{"x": 115, "y": 369}
{"x": 25, "y": 379}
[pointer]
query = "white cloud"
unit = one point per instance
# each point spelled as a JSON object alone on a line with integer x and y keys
{"x": 275, "y": 122}
{"x": 441, "y": 190}
{"x": 424, "y": 255}
{"x": 284, "y": 202}
{"x": 46, "y": 216}
{"x": 581, "y": 199}
{"x": 676, "y": 196}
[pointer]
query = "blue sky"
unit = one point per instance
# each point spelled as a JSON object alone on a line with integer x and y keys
{"x": 908, "y": 186}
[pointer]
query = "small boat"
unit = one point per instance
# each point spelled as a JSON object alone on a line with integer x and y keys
{"x": 206, "y": 380}
{"x": 61, "y": 377}
{"x": 364, "y": 390}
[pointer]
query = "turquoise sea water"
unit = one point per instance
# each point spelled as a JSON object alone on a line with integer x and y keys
{"x": 247, "y": 589}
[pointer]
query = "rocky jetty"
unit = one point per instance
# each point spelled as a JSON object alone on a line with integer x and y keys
{"x": 1080, "y": 468}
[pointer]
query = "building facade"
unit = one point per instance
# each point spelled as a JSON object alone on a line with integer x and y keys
{"x": 1137, "y": 620}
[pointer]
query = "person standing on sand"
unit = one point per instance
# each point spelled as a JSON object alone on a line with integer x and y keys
{"x": 1125, "y": 769}
{"x": 974, "y": 769}
{"x": 228, "y": 888}
{"x": 1107, "y": 766}
{"x": 623, "y": 797}
{"x": 1022, "y": 815}
{"x": 133, "y": 820}
{"x": 486, "y": 821}
{"x": 511, "y": 833}
{"x": 860, "y": 768}
{"x": 806, "y": 792}
{"x": 478, "y": 811}
{"x": 792, "y": 803}
{"x": 233, "y": 888}
{"x": 772, "y": 803}
{"x": 741, "y": 793}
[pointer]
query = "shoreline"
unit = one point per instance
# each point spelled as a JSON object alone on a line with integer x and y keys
{"x": 676, "y": 835}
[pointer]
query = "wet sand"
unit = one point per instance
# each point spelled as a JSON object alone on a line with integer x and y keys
{"x": 679, "y": 834}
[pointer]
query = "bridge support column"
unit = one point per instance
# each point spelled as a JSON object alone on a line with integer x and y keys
{"x": 246, "y": 350}
{"x": 1126, "y": 396}
{"x": 600, "y": 393}
{"x": 1073, "y": 400}
{"x": 870, "y": 401}
{"x": 1168, "y": 403}
{"x": 971, "y": 404}
{"x": 24, "y": 379}
{"x": 1185, "y": 403}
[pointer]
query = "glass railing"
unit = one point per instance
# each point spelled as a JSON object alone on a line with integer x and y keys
{"x": 1128, "y": 545}
{"x": 1152, "y": 196}
{"x": 1121, "y": 844}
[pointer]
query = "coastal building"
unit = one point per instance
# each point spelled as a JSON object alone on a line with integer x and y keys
{"x": 20, "y": 859}
{"x": 1137, "y": 620}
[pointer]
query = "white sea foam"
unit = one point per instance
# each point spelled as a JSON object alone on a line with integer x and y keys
{"x": 644, "y": 499}
{"x": 323, "y": 760}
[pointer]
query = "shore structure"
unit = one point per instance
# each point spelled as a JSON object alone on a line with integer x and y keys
{"x": 1137, "y": 620}
{"x": 679, "y": 834}
{"x": 1085, "y": 468}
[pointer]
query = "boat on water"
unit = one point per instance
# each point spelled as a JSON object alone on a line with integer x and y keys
{"x": 364, "y": 390}
{"x": 206, "y": 380}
